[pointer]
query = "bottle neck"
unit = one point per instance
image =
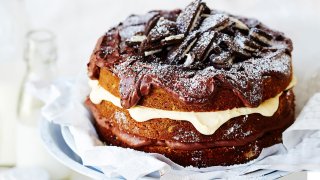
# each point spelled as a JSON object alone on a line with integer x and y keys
{"x": 40, "y": 55}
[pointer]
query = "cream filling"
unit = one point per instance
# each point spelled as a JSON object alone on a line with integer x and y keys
{"x": 174, "y": 37}
{"x": 239, "y": 24}
{"x": 138, "y": 38}
{"x": 261, "y": 38}
{"x": 205, "y": 122}
{"x": 148, "y": 53}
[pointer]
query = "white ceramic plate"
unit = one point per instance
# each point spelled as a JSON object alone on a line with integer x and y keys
{"x": 51, "y": 135}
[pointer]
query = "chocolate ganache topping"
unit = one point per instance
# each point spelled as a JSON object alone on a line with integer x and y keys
{"x": 191, "y": 54}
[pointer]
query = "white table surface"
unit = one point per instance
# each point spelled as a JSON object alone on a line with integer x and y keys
{"x": 78, "y": 23}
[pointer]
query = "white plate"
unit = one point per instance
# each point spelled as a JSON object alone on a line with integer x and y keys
{"x": 53, "y": 140}
{"x": 60, "y": 144}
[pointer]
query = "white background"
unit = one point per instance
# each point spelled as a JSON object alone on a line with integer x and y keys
{"x": 78, "y": 23}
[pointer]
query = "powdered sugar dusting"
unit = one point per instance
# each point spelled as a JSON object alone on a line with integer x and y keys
{"x": 232, "y": 129}
{"x": 214, "y": 21}
{"x": 130, "y": 31}
{"x": 120, "y": 117}
{"x": 182, "y": 135}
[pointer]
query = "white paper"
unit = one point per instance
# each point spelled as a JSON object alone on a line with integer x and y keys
{"x": 64, "y": 106}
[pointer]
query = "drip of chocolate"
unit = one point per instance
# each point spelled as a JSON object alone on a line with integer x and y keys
{"x": 192, "y": 53}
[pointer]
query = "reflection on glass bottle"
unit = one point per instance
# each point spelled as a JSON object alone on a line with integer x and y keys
{"x": 40, "y": 56}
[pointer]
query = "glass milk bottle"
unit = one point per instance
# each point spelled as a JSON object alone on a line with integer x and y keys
{"x": 40, "y": 55}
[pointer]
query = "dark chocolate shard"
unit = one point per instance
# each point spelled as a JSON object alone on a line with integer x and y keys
{"x": 162, "y": 34}
{"x": 203, "y": 46}
{"x": 215, "y": 48}
{"x": 190, "y": 17}
{"x": 149, "y": 46}
{"x": 245, "y": 43}
{"x": 161, "y": 30}
{"x": 261, "y": 36}
{"x": 241, "y": 54}
{"x": 222, "y": 61}
{"x": 151, "y": 23}
{"x": 216, "y": 22}
{"x": 177, "y": 54}
{"x": 225, "y": 42}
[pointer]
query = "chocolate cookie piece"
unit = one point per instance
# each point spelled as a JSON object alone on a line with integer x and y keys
{"x": 225, "y": 42}
{"x": 164, "y": 33}
{"x": 245, "y": 43}
{"x": 151, "y": 23}
{"x": 239, "y": 24}
{"x": 215, "y": 22}
{"x": 203, "y": 46}
{"x": 136, "y": 40}
{"x": 222, "y": 61}
{"x": 260, "y": 36}
{"x": 190, "y": 17}
{"x": 178, "y": 53}
{"x": 173, "y": 39}
{"x": 164, "y": 28}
